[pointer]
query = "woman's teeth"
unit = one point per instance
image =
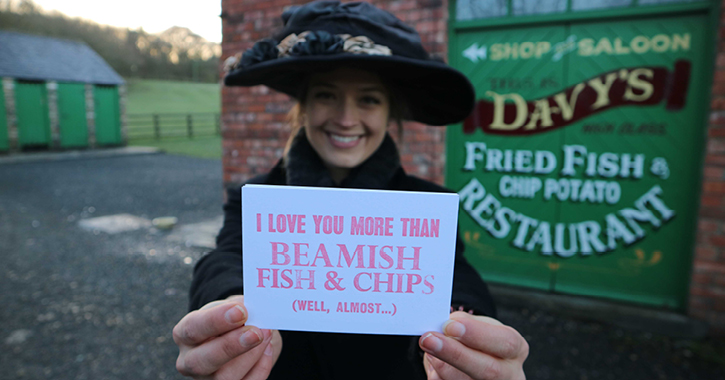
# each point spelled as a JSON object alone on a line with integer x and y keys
{"x": 344, "y": 139}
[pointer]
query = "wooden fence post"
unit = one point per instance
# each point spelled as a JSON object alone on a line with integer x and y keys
{"x": 157, "y": 127}
{"x": 207, "y": 123}
{"x": 189, "y": 127}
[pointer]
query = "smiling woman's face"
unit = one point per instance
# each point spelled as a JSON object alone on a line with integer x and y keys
{"x": 345, "y": 114}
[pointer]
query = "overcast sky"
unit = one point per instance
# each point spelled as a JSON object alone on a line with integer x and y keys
{"x": 201, "y": 16}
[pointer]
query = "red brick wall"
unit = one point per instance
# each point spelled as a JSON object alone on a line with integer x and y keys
{"x": 707, "y": 289}
{"x": 255, "y": 131}
{"x": 254, "y": 119}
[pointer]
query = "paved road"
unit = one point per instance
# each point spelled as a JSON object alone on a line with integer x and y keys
{"x": 84, "y": 304}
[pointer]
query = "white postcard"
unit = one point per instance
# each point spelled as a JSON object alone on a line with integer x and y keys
{"x": 348, "y": 261}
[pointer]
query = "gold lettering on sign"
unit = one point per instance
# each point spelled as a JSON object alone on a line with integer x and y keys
{"x": 523, "y": 50}
{"x": 635, "y": 82}
{"x": 567, "y": 106}
{"x": 542, "y": 112}
{"x": 681, "y": 42}
{"x": 511, "y": 114}
{"x": 640, "y": 44}
{"x": 618, "y": 48}
{"x": 602, "y": 89}
{"x": 498, "y": 113}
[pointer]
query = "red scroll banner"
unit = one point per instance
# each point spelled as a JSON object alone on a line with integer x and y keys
{"x": 511, "y": 114}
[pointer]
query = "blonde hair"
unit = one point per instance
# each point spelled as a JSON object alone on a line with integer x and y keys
{"x": 293, "y": 118}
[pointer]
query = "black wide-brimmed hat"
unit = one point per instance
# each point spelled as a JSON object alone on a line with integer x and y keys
{"x": 325, "y": 35}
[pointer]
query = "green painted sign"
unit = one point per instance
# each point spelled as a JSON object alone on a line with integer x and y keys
{"x": 579, "y": 169}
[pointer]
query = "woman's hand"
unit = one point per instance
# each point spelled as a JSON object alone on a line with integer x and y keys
{"x": 214, "y": 343}
{"x": 474, "y": 347}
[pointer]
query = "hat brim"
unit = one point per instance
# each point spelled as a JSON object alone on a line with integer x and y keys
{"x": 436, "y": 94}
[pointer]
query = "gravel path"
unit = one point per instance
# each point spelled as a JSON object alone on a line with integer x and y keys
{"x": 84, "y": 304}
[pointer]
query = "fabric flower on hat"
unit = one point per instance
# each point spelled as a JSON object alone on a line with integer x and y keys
{"x": 231, "y": 62}
{"x": 364, "y": 45}
{"x": 263, "y": 50}
{"x": 286, "y": 44}
{"x": 316, "y": 42}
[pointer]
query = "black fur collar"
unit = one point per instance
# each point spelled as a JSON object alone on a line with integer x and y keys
{"x": 305, "y": 168}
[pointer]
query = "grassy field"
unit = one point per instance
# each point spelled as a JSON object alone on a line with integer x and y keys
{"x": 159, "y": 96}
{"x": 202, "y": 146}
{"x": 165, "y": 97}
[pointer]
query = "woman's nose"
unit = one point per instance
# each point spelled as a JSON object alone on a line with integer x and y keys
{"x": 347, "y": 115}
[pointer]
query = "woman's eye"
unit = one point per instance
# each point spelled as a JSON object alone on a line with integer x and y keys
{"x": 371, "y": 100}
{"x": 324, "y": 95}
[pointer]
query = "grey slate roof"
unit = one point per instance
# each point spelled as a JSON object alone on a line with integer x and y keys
{"x": 25, "y": 56}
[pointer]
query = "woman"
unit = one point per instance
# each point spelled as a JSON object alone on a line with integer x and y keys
{"x": 354, "y": 70}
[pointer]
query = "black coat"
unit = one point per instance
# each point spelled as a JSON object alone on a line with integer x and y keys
{"x": 332, "y": 355}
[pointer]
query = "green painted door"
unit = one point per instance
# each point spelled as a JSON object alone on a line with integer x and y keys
{"x": 498, "y": 63}
{"x": 4, "y": 145}
{"x": 648, "y": 142}
{"x": 72, "y": 115}
{"x": 31, "y": 107}
{"x": 579, "y": 169}
{"x": 108, "y": 115}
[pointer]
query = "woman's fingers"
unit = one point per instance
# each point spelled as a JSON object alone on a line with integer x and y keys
{"x": 263, "y": 367}
{"x": 441, "y": 370}
{"x": 216, "y": 353}
{"x": 200, "y": 325}
{"x": 242, "y": 367}
{"x": 430, "y": 370}
{"x": 474, "y": 364}
{"x": 271, "y": 353}
{"x": 480, "y": 347}
{"x": 487, "y": 335}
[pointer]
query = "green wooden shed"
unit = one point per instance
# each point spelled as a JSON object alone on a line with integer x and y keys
{"x": 57, "y": 94}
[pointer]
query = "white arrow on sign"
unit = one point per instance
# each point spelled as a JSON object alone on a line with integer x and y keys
{"x": 474, "y": 53}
